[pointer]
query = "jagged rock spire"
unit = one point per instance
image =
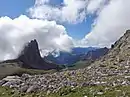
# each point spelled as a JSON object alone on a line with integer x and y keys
{"x": 31, "y": 58}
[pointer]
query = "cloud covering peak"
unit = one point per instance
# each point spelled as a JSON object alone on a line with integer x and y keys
{"x": 16, "y": 32}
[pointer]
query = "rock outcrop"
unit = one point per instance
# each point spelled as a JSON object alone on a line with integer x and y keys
{"x": 31, "y": 58}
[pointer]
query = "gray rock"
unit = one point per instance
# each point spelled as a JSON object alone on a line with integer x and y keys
{"x": 84, "y": 84}
{"x": 12, "y": 78}
{"x": 100, "y": 93}
{"x": 2, "y": 82}
{"x": 23, "y": 88}
{"x": 32, "y": 89}
{"x": 7, "y": 84}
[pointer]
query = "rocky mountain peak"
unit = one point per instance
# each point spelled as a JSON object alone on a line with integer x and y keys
{"x": 31, "y": 58}
{"x": 123, "y": 41}
{"x": 31, "y": 49}
{"x": 127, "y": 33}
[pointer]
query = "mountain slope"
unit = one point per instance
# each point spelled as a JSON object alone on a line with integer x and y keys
{"x": 119, "y": 54}
{"x": 113, "y": 68}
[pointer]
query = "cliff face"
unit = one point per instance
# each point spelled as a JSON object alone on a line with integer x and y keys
{"x": 31, "y": 58}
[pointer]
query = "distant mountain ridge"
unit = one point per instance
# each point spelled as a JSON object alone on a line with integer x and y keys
{"x": 96, "y": 54}
{"x": 82, "y": 50}
{"x": 77, "y": 54}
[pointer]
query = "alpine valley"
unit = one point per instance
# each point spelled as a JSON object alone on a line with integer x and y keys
{"x": 107, "y": 76}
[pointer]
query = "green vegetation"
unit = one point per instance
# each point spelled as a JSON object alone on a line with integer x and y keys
{"x": 10, "y": 69}
{"x": 94, "y": 91}
{"x": 79, "y": 65}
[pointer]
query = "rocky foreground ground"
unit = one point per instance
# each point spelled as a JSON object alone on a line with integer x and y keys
{"x": 52, "y": 83}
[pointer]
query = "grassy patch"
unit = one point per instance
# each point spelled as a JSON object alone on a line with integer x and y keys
{"x": 14, "y": 70}
{"x": 79, "y": 65}
{"x": 95, "y": 91}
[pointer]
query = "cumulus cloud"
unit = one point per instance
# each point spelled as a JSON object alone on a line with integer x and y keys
{"x": 111, "y": 22}
{"x": 110, "y": 25}
{"x": 14, "y": 33}
{"x": 71, "y": 11}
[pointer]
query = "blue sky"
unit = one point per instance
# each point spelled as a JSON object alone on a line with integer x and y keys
{"x": 78, "y": 31}
{"x": 14, "y": 8}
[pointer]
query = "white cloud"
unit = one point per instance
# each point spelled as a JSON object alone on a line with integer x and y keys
{"x": 14, "y": 33}
{"x": 71, "y": 11}
{"x": 95, "y": 5}
{"x": 111, "y": 23}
